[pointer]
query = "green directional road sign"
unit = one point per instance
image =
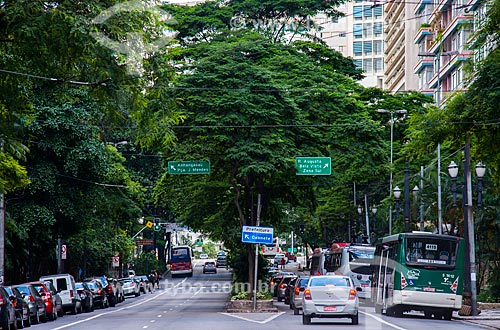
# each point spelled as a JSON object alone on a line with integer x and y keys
{"x": 189, "y": 167}
{"x": 313, "y": 165}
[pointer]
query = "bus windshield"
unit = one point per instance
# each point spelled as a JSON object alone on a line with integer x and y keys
{"x": 180, "y": 254}
{"x": 431, "y": 252}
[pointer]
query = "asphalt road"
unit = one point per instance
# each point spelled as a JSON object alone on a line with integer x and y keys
{"x": 199, "y": 303}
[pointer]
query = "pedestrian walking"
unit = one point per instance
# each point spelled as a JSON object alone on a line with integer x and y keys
{"x": 157, "y": 279}
{"x": 151, "y": 282}
{"x": 283, "y": 263}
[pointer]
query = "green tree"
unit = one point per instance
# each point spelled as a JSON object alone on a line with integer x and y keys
{"x": 251, "y": 107}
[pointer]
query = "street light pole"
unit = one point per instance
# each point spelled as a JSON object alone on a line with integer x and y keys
{"x": 407, "y": 197}
{"x": 469, "y": 216}
{"x": 391, "y": 113}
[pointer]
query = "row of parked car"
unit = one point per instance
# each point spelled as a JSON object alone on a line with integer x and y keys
{"x": 323, "y": 296}
{"x": 52, "y": 296}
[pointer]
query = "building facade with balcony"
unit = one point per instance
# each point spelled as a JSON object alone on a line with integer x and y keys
{"x": 444, "y": 31}
{"x": 400, "y": 50}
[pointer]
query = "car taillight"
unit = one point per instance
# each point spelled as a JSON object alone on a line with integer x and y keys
{"x": 110, "y": 289}
{"x": 32, "y": 299}
{"x": 307, "y": 294}
{"x": 14, "y": 303}
{"x": 272, "y": 282}
{"x": 297, "y": 290}
{"x": 282, "y": 286}
{"x": 2, "y": 302}
{"x": 71, "y": 294}
{"x": 352, "y": 294}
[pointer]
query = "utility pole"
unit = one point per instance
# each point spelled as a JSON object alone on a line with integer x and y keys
{"x": 2, "y": 230}
{"x": 470, "y": 227}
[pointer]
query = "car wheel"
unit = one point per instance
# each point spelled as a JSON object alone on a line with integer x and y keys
{"x": 36, "y": 318}
{"x": 447, "y": 315}
{"x": 27, "y": 322}
{"x": 306, "y": 319}
{"x": 52, "y": 316}
{"x": 355, "y": 319}
{"x": 5, "y": 322}
{"x": 44, "y": 318}
{"x": 60, "y": 312}
{"x": 280, "y": 299}
{"x": 295, "y": 311}
{"x": 13, "y": 326}
{"x": 112, "y": 302}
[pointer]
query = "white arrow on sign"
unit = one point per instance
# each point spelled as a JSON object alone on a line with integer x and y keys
{"x": 247, "y": 236}
{"x": 173, "y": 167}
{"x": 326, "y": 165}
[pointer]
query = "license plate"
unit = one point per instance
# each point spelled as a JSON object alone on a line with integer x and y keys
{"x": 330, "y": 308}
{"x": 364, "y": 285}
{"x": 429, "y": 289}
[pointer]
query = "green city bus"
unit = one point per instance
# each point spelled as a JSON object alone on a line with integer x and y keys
{"x": 418, "y": 271}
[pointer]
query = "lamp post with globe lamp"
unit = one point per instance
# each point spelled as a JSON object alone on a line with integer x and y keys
{"x": 391, "y": 113}
{"x": 470, "y": 260}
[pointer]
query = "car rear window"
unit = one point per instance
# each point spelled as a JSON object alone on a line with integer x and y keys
{"x": 329, "y": 281}
{"x": 61, "y": 284}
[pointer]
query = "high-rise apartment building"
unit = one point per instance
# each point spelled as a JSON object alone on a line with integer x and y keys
{"x": 400, "y": 50}
{"x": 442, "y": 39}
{"x": 365, "y": 38}
{"x": 359, "y": 34}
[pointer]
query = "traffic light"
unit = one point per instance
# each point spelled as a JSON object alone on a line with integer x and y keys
{"x": 157, "y": 226}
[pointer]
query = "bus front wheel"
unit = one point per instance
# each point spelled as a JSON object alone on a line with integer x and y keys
{"x": 447, "y": 314}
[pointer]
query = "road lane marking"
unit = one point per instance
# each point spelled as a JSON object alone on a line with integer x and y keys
{"x": 269, "y": 319}
{"x": 110, "y": 312}
{"x": 383, "y": 321}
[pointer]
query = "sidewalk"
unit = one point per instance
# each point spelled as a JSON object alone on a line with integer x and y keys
{"x": 488, "y": 318}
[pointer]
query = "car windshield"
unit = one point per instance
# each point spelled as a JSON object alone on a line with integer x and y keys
{"x": 329, "y": 281}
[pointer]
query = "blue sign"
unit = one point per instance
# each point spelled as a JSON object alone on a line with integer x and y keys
{"x": 258, "y": 235}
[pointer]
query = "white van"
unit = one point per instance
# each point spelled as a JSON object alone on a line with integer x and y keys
{"x": 66, "y": 287}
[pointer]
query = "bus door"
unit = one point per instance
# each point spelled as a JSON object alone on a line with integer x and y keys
{"x": 385, "y": 278}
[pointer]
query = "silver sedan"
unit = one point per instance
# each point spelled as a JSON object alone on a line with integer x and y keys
{"x": 330, "y": 296}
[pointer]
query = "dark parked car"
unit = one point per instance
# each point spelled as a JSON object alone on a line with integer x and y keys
{"x": 35, "y": 302}
{"x": 8, "y": 319}
{"x": 21, "y": 306}
{"x": 100, "y": 295}
{"x": 110, "y": 289}
{"x": 288, "y": 290}
{"x": 86, "y": 296}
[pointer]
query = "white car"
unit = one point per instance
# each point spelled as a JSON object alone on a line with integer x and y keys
{"x": 330, "y": 296}
{"x": 203, "y": 256}
{"x": 130, "y": 287}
